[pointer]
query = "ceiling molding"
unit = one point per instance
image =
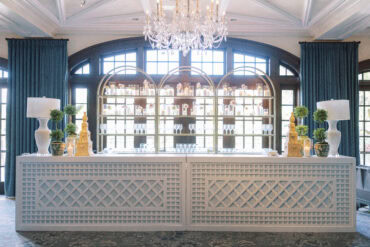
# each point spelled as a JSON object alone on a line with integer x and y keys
{"x": 332, "y": 6}
{"x": 280, "y": 11}
{"x": 40, "y": 8}
{"x": 307, "y": 7}
{"x": 61, "y": 5}
{"x": 16, "y": 28}
{"x": 86, "y": 10}
{"x": 354, "y": 27}
{"x": 115, "y": 18}
{"x": 249, "y": 18}
{"x": 36, "y": 20}
{"x": 349, "y": 15}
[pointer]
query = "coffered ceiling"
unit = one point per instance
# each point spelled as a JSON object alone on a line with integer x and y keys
{"x": 318, "y": 19}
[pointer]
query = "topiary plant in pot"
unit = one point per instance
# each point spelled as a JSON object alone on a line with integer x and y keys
{"x": 57, "y": 144}
{"x": 300, "y": 112}
{"x": 321, "y": 146}
{"x": 70, "y": 128}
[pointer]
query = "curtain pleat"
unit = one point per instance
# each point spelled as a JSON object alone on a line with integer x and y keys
{"x": 330, "y": 71}
{"x": 37, "y": 68}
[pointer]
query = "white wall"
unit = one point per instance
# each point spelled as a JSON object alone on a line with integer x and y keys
{"x": 290, "y": 44}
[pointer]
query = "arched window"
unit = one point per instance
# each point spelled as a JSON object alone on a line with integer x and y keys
{"x": 136, "y": 52}
{"x": 284, "y": 71}
{"x": 84, "y": 69}
{"x": 259, "y": 63}
{"x": 112, "y": 62}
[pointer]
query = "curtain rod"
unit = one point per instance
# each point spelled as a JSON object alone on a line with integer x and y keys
{"x": 35, "y": 38}
{"x": 328, "y": 41}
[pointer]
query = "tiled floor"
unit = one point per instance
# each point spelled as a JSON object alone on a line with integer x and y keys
{"x": 9, "y": 237}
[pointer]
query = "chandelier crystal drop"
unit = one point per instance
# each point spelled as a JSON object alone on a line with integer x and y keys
{"x": 189, "y": 28}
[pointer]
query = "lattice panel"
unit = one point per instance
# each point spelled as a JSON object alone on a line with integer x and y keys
{"x": 82, "y": 193}
{"x": 270, "y": 194}
{"x": 262, "y": 194}
{"x": 101, "y": 193}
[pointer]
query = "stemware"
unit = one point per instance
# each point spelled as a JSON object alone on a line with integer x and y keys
{"x": 269, "y": 129}
{"x": 180, "y": 128}
{"x": 232, "y": 129}
{"x": 176, "y": 127}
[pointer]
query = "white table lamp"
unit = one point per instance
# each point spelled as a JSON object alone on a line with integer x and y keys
{"x": 337, "y": 110}
{"x": 40, "y": 108}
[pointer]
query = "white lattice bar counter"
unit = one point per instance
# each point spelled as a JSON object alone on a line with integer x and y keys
{"x": 195, "y": 192}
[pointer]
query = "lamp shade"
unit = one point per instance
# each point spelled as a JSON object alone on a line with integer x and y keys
{"x": 337, "y": 109}
{"x": 41, "y": 107}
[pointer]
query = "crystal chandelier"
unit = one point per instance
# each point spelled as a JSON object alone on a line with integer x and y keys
{"x": 188, "y": 29}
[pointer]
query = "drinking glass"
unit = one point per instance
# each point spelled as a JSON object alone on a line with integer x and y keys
{"x": 180, "y": 128}
{"x": 176, "y": 127}
{"x": 135, "y": 128}
{"x": 232, "y": 129}
{"x": 143, "y": 128}
{"x": 269, "y": 128}
{"x": 193, "y": 147}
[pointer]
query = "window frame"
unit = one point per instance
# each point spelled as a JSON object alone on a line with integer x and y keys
{"x": 116, "y": 53}
{"x": 251, "y": 54}
{"x": 225, "y": 67}
{"x": 3, "y": 84}
{"x": 157, "y": 62}
{"x": 80, "y": 66}
{"x": 95, "y": 53}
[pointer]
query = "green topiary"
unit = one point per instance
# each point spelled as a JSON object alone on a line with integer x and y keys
{"x": 70, "y": 110}
{"x": 320, "y": 135}
{"x": 301, "y": 112}
{"x": 302, "y": 130}
{"x": 56, "y": 135}
{"x": 71, "y": 129}
{"x": 320, "y": 115}
{"x": 56, "y": 116}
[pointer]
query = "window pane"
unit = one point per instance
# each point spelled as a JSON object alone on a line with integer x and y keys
{"x": 109, "y": 59}
{"x": 218, "y": 56}
{"x": 161, "y": 61}
{"x": 251, "y": 62}
{"x": 107, "y": 67}
{"x": 366, "y": 76}
{"x": 4, "y": 93}
{"x": 207, "y": 56}
{"x": 210, "y": 61}
{"x": 282, "y": 70}
{"x": 162, "y": 56}
{"x": 119, "y": 60}
{"x": 218, "y": 69}
{"x": 131, "y": 56}
{"x": 238, "y": 58}
{"x": 287, "y": 97}
{"x": 151, "y": 68}
{"x": 79, "y": 71}
{"x": 81, "y": 95}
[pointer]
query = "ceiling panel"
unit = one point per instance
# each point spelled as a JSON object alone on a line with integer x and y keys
{"x": 264, "y": 17}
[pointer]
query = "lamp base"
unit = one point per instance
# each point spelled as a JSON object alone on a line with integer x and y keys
{"x": 334, "y": 137}
{"x": 42, "y": 137}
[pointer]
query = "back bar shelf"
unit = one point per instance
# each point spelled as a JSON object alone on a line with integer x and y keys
{"x": 186, "y": 112}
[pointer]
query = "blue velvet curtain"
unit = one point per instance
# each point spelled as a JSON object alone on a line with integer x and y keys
{"x": 329, "y": 70}
{"x": 37, "y": 67}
